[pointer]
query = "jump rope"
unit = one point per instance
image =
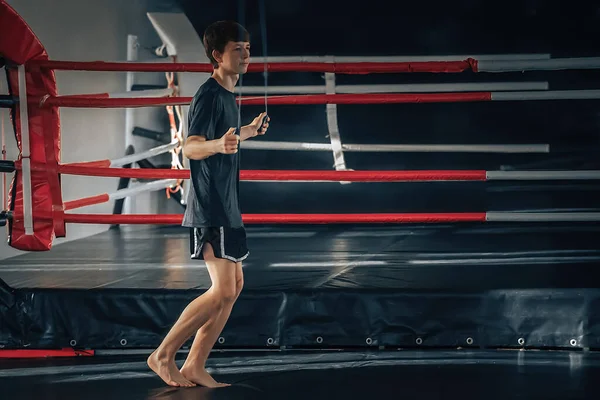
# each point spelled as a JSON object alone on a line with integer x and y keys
{"x": 263, "y": 35}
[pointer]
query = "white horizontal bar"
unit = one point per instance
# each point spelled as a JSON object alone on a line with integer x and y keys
{"x": 143, "y": 93}
{"x": 400, "y": 58}
{"x": 141, "y": 188}
{"x": 549, "y": 95}
{"x": 455, "y": 148}
{"x": 542, "y": 175}
{"x": 119, "y": 162}
{"x": 409, "y": 88}
{"x": 536, "y": 65}
{"x": 542, "y": 217}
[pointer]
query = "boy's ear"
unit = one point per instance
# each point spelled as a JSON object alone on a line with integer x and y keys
{"x": 217, "y": 56}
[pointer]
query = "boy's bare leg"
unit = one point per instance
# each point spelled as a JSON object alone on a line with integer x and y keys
{"x": 196, "y": 314}
{"x": 194, "y": 368}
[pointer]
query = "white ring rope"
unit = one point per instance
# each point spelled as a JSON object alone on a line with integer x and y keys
{"x": 349, "y": 59}
{"x": 141, "y": 188}
{"x": 142, "y": 93}
{"x": 407, "y": 88}
{"x": 165, "y": 148}
{"x": 542, "y": 175}
{"x": 506, "y": 216}
{"x": 554, "y": 64}
{"x": 403, "y": 148}
{"x": 547, "y": 95}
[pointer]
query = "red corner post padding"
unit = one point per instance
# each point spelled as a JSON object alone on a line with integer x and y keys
{"x": 19, "y": 45}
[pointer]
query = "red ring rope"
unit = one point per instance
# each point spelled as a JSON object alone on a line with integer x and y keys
{"x": 283, "y": 175}
{"x": 340, "y": 68}
{"x": 176, "y": 219}
{"x": 88, "y": 164}
{"x": 86, "y": 201}
{"x": 367, "y": 98}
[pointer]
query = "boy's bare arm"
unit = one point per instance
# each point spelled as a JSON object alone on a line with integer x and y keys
{"x": 198, "y": 148}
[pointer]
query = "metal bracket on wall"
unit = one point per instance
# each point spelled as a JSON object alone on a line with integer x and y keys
{"x": 8, "y": 101}
{"x": 4, "y": 217}
{"x": 7, "y": 167}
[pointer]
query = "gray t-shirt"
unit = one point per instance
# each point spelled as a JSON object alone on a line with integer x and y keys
{"x": 213, "y": 197}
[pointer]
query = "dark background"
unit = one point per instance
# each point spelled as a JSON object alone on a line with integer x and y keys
{"x": 463, "y": 27}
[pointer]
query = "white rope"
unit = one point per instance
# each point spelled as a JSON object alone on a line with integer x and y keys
{"x": 407, "y": 88}
{"x": 160, "y": 51}
{"x": 548, "y": 95}
{"x": 345, "y": 59}
{"x": 165, "y": 148}
{"x": 537, "y": 65}
{"x": 542, "y": 175}
{"x": 142, "y": 93}
{"x": 503, "y": 216}
{"x": 141, "y": 188}
{"x": 481, "y": 57}
{"x": 404, "y": 148}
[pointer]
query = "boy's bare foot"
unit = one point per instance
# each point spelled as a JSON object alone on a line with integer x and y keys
{"x": 201, "y": 377}
{"x": 167, "y": 370}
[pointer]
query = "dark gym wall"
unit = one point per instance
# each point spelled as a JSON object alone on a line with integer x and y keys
{"x": 466, "y": 27}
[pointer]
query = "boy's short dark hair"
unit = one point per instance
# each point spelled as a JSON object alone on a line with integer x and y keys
{"x": 219, "y": 33}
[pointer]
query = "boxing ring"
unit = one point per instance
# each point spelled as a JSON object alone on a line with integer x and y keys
{"x": 371, "y": 283}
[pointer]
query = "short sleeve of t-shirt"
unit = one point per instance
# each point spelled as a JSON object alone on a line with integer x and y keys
{"x": 204, "y": 115}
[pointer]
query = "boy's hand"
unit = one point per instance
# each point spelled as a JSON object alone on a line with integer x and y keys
{"x": 258, "y": 121}
{"x": 228, "y": 143}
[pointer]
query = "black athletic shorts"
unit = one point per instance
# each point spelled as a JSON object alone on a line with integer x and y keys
{"x": 227, "y": 243}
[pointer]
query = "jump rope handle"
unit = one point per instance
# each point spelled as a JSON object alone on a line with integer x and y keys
{"x": 263, "y": 122}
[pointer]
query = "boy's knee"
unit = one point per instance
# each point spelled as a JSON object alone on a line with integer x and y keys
{"x": 225, "y": 295}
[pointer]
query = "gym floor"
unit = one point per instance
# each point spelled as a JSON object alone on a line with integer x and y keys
{"x": 339, "y": 375}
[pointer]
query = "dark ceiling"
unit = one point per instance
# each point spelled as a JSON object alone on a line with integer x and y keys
{"x": 420, "y": 27}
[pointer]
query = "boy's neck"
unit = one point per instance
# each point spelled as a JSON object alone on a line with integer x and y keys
{"x": 228, "y": 81}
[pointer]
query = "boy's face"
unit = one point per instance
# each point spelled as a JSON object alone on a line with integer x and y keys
{"x": 235, "y": 58}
